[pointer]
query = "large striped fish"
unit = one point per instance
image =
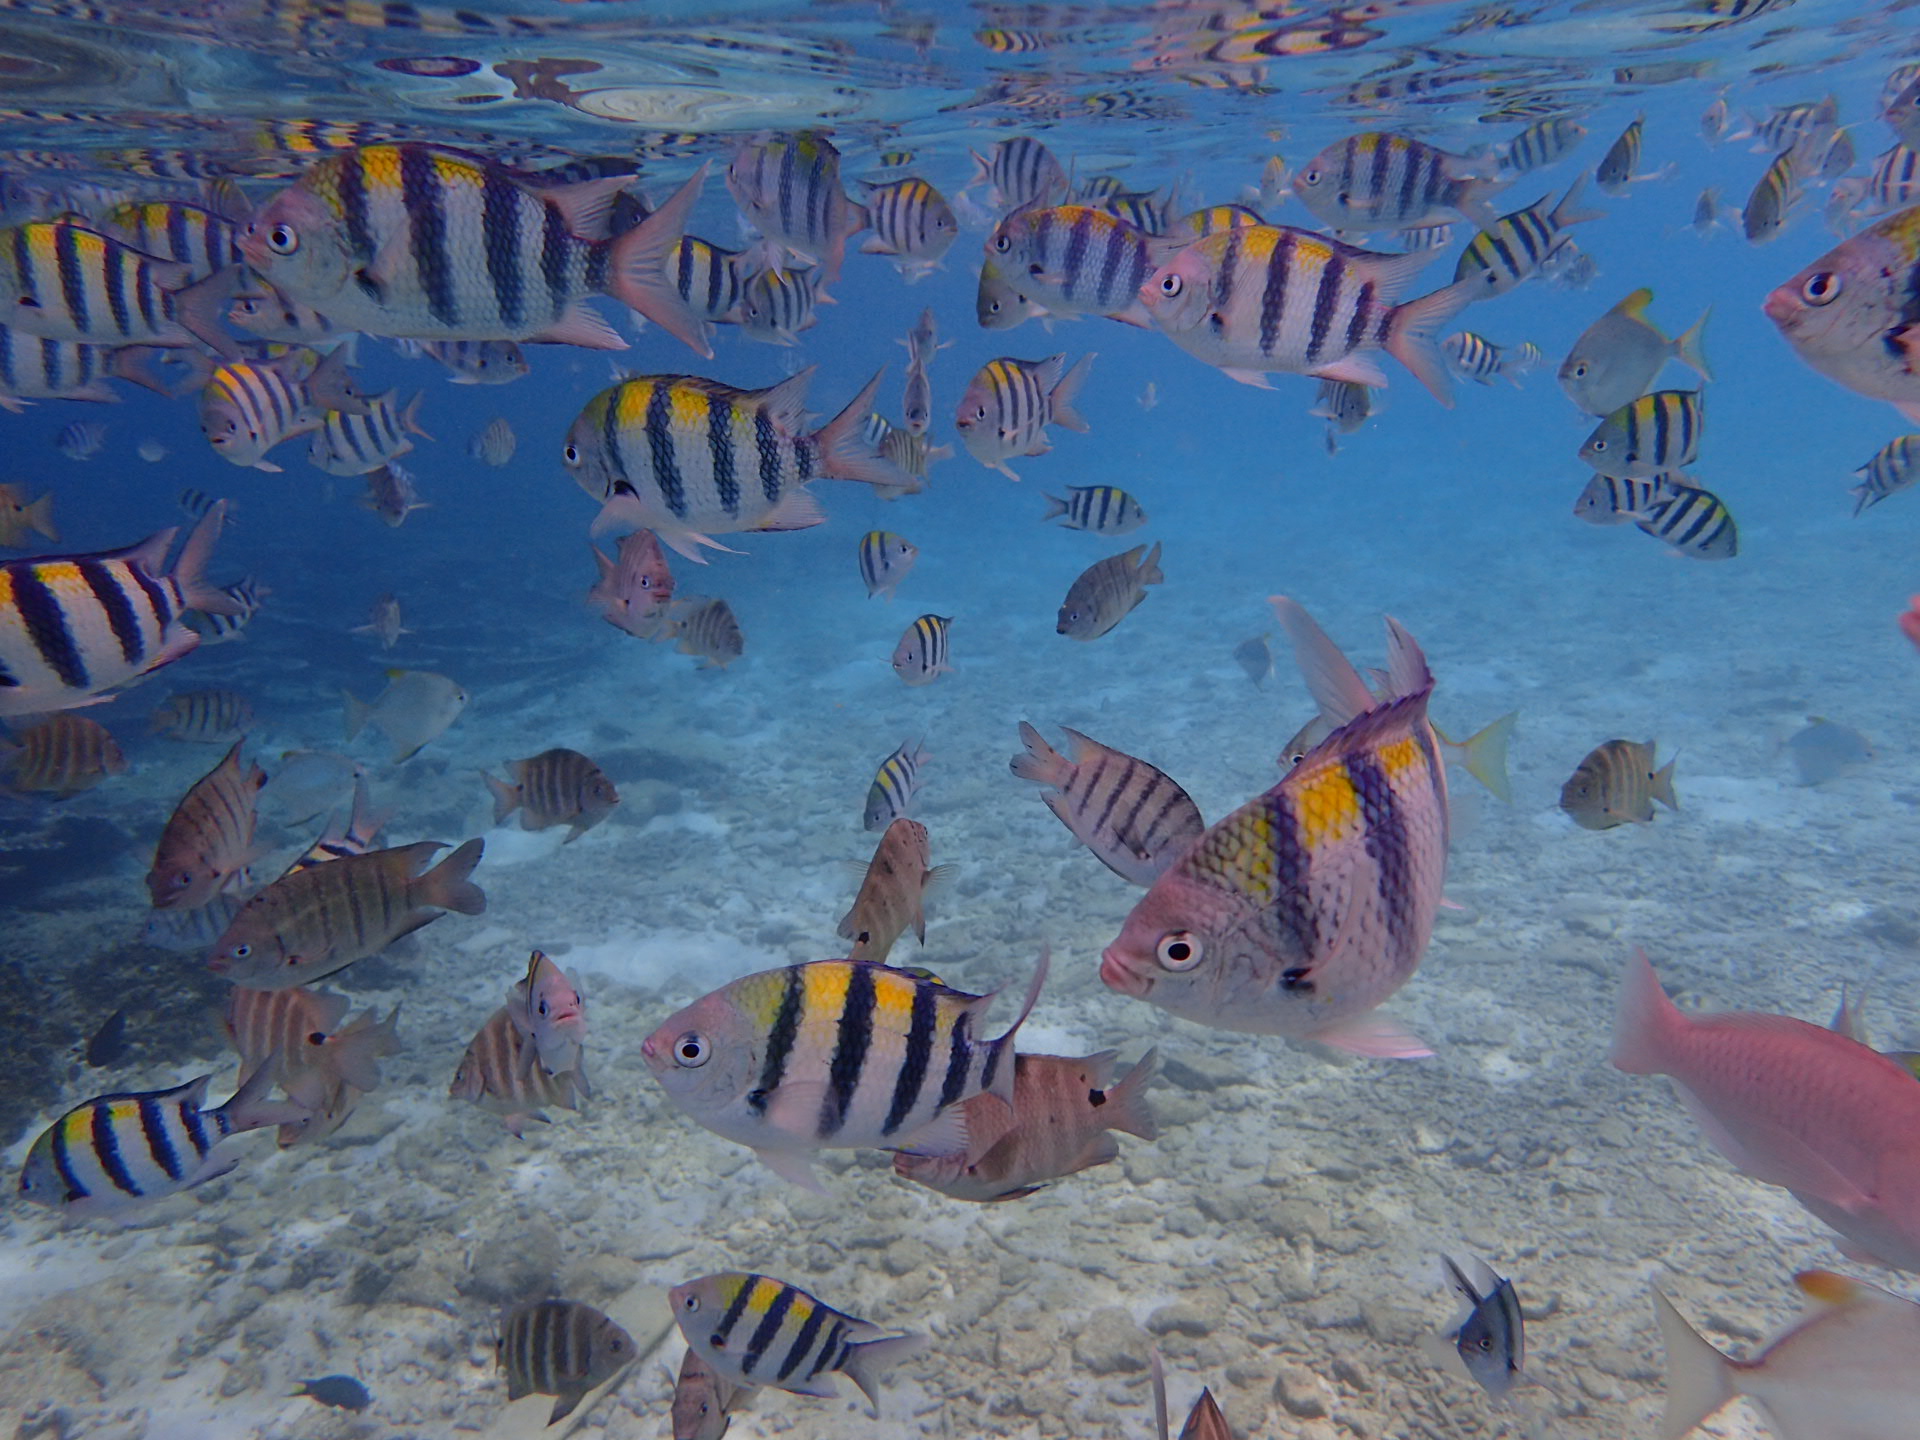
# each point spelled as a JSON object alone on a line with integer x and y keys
{"x": 63, "y": 281}
{"x": 1073, "y": 260}
{"x": 834, "y": 1054}
{"x": 690, "y": 458}
{"x": 74, "y": 627}
{"x": 1383, "y": 181}
{"x": 1266, "y": 298}
{"x": 788, "y": 187}
{"x": 756, "y": 1330}
{"x": 208, "y": 840}
{"x": 33, "y": 367}
{"x": 116, "y": 1152}
{"x": 411, "y": 241}
{"x": 1309, "y": 905}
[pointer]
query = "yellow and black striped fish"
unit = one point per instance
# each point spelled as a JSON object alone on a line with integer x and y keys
{"x": 63, "y": 281}
{"x": 1021, "y": 171}
{"x": 1308, "y": 906}
{"x": 1097, "y": 509}
{"x": 912, "y": 222}
{"x": 1214, "y": 218}
{"x": 1378, "y": 180}
{"x": 709, "y": 280}
{"x": 174, "y": 230}
{"x": 776, "y": 304}
{"x": 1642, "y": 438}
{"x": 756, "y": 1330}
{"x": 73, "y": 627}
{"x": 33, "y": 367}
{"x": 689, "y": 458}
{"x": 116, "y": 1152}
{"x": 921, "y": 656}
{"x": 1541, "y": 143}
{"x": 788, "y": 186}
{"x": 249, "y": 406}
{"x": 834, "y": 1054}
{"x": 358, "y": 444}
{"x": 1611, "y": 500}
{"x": 411, "y": 241}
{"x": 885, "y": 559}
{"x": 894, "y": 786}
{"x": 559, "y": 1347}
{"x": 1517, "y": 244}
{"x": 1695, "y": 522}
{"x": 1075, "y": 260}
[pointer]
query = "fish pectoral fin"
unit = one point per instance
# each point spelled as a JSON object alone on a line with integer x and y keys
{"x": 948, "y": 1134}
{"x": 1255, "y": 378}
{"x": 1790, "y": 1163}
{"x": 1376, "y": 1036}
{"x": 793, "y": 1166}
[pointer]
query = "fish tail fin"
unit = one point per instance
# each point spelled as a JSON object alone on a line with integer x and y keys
{"x": 1485, "y": 755}
{"x": 845, "y": 451}
{"x": 1064, "y": 391}
{"x": 637, "y": 273}
{"x": 506, "y": 798}
{"x": 1002, "y": 1085}
{"x": 1699, "y": 1377}
{"x": 1126, "y": 1107}
{"x": 189, "y": 571}
{"x": 1663, "y": 786}
{"x": 354, "y": 1053}
{"x": 250, "y": 1109}
{"x": 364, "y": 822}
{"x": 1412, "y": 330}
{"x": 1149, "y": 572}
{"x": 1567, "y": 212}
{"x": 138, "y": 365}
{"x": 201, "y": 307}
{"x": 358, "y": 713}
{"x": 410, "y": 416}
{"x": 330, "y": 387}
{"x": 1690, "y": 346}
{"x": 1474, "y": 194}
{"x": 869, "y": 1357}
{"x": 1042, "y": 764}
{"x": 39, "y": 516}
{"x": 1644, "y": 1020}
{"x": 1055, "y": 506}
{"x": 447, "y": 886}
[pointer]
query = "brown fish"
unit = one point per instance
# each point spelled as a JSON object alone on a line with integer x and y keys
{"x": 562, "y": 1348}
{"x": 1107, "y": 591}
{"x": 208, "y": 842}
{"x": 707, "y": 628}
{"x": 300, "y": 1030}
{"x": 635, "y": 591}
{"x": 204, "y": 717}
{"x": 703, "y": 1400}
{"x": 501, "y": 1074}
{"x": 893, "y": 895}
{"x": 555, "y": 787}
{"x": 61, "y": 756}
{"x": 1064, "y": 1111}
{"x": 1616, "y": 784}
{"x": 383, "y": 622}
{"x": 18, "y": 518}
{"x": 316, "y": 921}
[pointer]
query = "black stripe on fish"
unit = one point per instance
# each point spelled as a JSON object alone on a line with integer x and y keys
{"x": 766, "y": 440}
{"x": 854, "y": 1035}
{"x": 1326, "y": 302}
{"x": 193, "y": 1124}
{"x": 113, "y": 261}
{"x": 500, "y": 235}
{"x": 922, "y": 1031}
{"x": 720, "y": 451}
{"x": 780, "y": 1040}
{"x": 106, "y": 1149}
{"x": 802, "y": 1345}
{"x": 723, "y": 1329}
{"x": 1385, "y": 838}
{"x": 768, "y": 1330}
{"x": 47, "y": 627}
{"x": 153, "y": 1122}
{"x": 113, "y": 600}
{"x": 556, "y": 253}
{"x": 424, "y": 201}
{"x": 666, "y": 465}
{"x": 1273, "y": 298}
{"x": 353, "y": 210}
{"x": 26, "y": 280}
{"x": 63, "y": 1165}
{"x": 73, "y": 280}
{"x": 959, "y": 1060}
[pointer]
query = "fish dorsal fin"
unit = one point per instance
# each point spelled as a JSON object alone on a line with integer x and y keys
{"x": 1407, "y": 672}
{"x": 1335, "y": 685}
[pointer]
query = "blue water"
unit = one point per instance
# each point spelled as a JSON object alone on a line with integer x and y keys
{"x": 1294, "y": 1204}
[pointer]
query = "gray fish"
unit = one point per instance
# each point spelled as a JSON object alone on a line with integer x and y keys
{"x": 495, "y": 444}
{"x": 1619, "y": 355}
{"x": 342, "y": 1392}
{"x": 894, "y": 786}
{"x": 1107, "y": 592}
{"x": 708, "y": 629}
{"x": 1492, "y": 1341}
{"x": 1824, "y": 750}
{"x": 1133, "y": 818}
{"x": 1616, "y": 785}
{"x": 416, "y": 707}
{"x": 559, "y": 1347}
{"x": 1695, "y": 522}
{"x": 1097, "y": 509}
{"x": 1255, "y": 656}
{"x": 203, "y": 717}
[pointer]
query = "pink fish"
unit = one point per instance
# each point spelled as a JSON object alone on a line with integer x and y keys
{"x": 635, "y": 591}
{"x": 1910, "y": 621}
{"x": 1791, "y": 1104}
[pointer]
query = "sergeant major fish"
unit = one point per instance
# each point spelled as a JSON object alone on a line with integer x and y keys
{"x": 1649, "y": 436}
{"x": 1616, "y": 784}
{"x": 1009, "y": 403}
{"x": 1309, "y": 905}
{"x": 894, "y": 786}
{"x": 1107, "y": 591}
{"x": 921, "y": 657}
{"x": 250, "y": 406}
{"x": 555, "y": 787}
{"x": 1382, "y": 181}
{"x": 562, "y": 1348}
{"x": 208, "y": 841}
{"x": 788, "y": 187}
{"x": 834, "y": 1054}
{"x": 1134, "y": 819}
{"x": 1074, "y": 260}
{"x": 912, "y": 223}
{"x": 1098, "y": 509}
{"x": 885, "y": 560}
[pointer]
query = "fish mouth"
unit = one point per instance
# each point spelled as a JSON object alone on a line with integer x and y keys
{"x": 1778, "y": 306}
{"x": 1118, "y": 975}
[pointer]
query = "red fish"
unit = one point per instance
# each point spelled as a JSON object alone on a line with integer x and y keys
{"x": 1910, "y": 621}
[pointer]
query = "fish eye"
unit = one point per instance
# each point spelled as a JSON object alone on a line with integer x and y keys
{"x": 1171, "y": 285}
{"x": 981, "y": 413}
{"x": 1599, "y": 447}
{"x": 1003, "y": 242}
{"x": 692, "y": 1303}
{"x": 1580, "y": 371}
{"x": 318, "y": 1037}
{"x": 283, "y": 240}
{"x": 995, "y": 307}
{"x": 1821, "y": 288}
{"x": 571, "y": 454}
{"x": 691, "y": 1050}
{"x": 1309, "y": 177}
{"x": 241, "y": 952}
{"x": 1179, "y": 950}
{"x": 543, "y": 1005}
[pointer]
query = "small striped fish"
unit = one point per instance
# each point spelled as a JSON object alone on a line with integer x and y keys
{"x": 1383, "y": 181}
{"x": 81, "y": 439}
{"x": 708, "y": 281}
{"x": 1425, "y": 237}
{"x": 913, "y": 223}
{"x": 208, "y": 840}
{"x": 1774, "y": 196}
{"x": 493, "y": 445}
{"x": 702, "y": 1402}
{"x": 916, "y": 398}
{"x": 555, "y": 787}
{"x": 1212, "y": 219}
{"x": 392, "y": 495}
{"x": 250, "y": 406}
{"x": 1894, "y": 467}
{"x": 349, "y": 444}
{"x": 907, "y": 450}
{"x": 892, "y": 896}
{"x": 114, "y": 1153}
{"x": 290, "y": 1032}
{"x": 1474, "y": 357}
{"x": 1269, "y": 298}
{"x": 19, "y": 517}
{"x": 1009, "y": 403}
{"x": 501, "y": 1074}
{"x": 35, "y": 368}
{"x": 1657, "y": 432}
{"x": 473, "y": 362}
{"x": 1021, "y": 171}
{"x": 174, "y": 230}
{"x": 560, "y": 1347}
{"x": 60, "y": 280}
{"x": 894, "y": 786}
{"x": 1345, "y": 407}
{"x": 921, "y": 656}
{"x": 1147, "y": 210}
{"x": 707, "y": 628}
{"x": 1076, "y": 260}
{"x": 61, "y": 756}
{"x": 1788, "y": 125}
{"x": 1133, "y": 818}
{"x": 834, "y": 1054}
{"x": 307, "y": 925}
{"x": 1516, "y": 246}
{"x": 245, "y": 595}
{"x": 690, "y": 458}
{"x": 1541, "y": 143}
{"x": 1098, "y": 509}
{"x": 355, "y": 837}
{"x": 1616, "y": 784}
{"x": 410, "y": 241}
{"x": 1616, "y": 168}
{"x": 1695, "y": 522}
{"x": 1895, "y": 182}
{"x": 755, "y": 1330}
{"x": 1610, "y": 500}
{"x": 1108, "y": 591}
{"x": 788, "y": 187}
{"x": 777, "y": 304}
{"x": 885, "y": 558}
{"x": 203, "y": 717}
